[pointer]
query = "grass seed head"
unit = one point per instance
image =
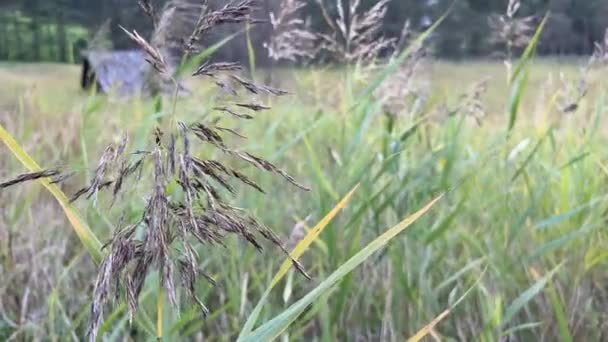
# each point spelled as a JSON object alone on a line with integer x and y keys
{"x": 169, "y": 221}
{"x": 154, "y": 57}
{"x": 55, "y": 176}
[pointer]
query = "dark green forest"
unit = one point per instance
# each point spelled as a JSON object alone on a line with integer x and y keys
{"x": 56, "y": 30}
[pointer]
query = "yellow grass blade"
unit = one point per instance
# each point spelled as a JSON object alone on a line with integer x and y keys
{"x": 429, "y": 327}
{"x": 310, "y": 237}
{"x": 276, "y": 326}
{"x": 297, "y": 252}
{"x": 86, "y": 236}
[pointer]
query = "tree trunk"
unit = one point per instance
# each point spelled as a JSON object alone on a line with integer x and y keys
{"x": 4, "y": 41}
{"x": 50, "y": 43}
{"x": 117, "y": 36}
{"x": 18, "y": 42}
{"x": 62, "y": 39}
{"x": 35, "y": 27}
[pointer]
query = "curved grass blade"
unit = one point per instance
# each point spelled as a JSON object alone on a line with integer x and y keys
{"x": 530, "y": 157}
{"x": 560, "y": 314}
{"x": 194, "y": 61}
{"x": 527, "y": 295}
{"x": 459, "y": 274}
{"x": 273, "y": 328}
{"x": 429, "y": 327}
{"x": 528, "y": 52}
{"x": 526, "y": 326}
{"x": 318, "y": 170}
{"x": 85, "y": 234}
{"x": 519, "y": 78}
{"x": 300, "y": 248}
{"x": 250, "y": 51}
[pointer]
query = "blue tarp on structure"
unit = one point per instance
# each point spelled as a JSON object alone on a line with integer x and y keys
{"x": 123, "y": 72}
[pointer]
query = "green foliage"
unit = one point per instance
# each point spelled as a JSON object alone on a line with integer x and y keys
{"x": 512, "y": 243}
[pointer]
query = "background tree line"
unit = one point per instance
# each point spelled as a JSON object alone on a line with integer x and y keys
{"x": 56, "y": 30}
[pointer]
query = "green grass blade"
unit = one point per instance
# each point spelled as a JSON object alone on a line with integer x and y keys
{"x": 300, "y": 248}
{"x": 370, "y": 112}
{"x": 519, "y": 78}
{"x": 325, "y": 183}
{"x": 250, "y": 51}
{"x": 575, "y": 160}
{"x": 560, "y": 314}
{"x": 558, "y": 243}
{"x": 85, "y": 234}
{"x": 188, "y": 65}
{"x": 594, "y": 256}
{"x": 444, "y": 225}
{"x": 561, "y": 218}
{"x": 473, "y": 264}
{"x": 526, "y": 296}
{"x": 530, "y": 157}
{"x": 273, "y": 328}
{"x": 529, "y": 51}
{"x": 525, "y": 326}
{"x": 517, "y": 91}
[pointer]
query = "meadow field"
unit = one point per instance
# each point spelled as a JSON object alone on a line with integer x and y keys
{"x": 515, "y": 250}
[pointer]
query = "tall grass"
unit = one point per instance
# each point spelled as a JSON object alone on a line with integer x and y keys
{"x": 517, "y": 242}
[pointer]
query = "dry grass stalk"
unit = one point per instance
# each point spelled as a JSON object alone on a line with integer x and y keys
{"x": 406, "y": 83}
{"x": 355, "y": 34}
{"x": 471, "y": 102}
{"x": 179, "y": 30}
{"x": 210, "y": 69}
{"x": 571, "y": 93}
{"x": 514, "y": 33}
{"x": 27, "y": 177}
{"x": 253, "y": 106}
{"x": 173, "y": 219}
{"x": 154, "y": 57}
{"x": 233, "y": 12}
{"x": 291, "y": 37}
{"x": 170, "y": 222}
{"x": 178, "y": 19}
{"x": 147, "y": 7}
{"x": 232, "y": 112}
{"x": 600, "y": 53}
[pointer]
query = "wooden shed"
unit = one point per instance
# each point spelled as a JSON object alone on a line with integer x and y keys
{"x": 121, "y": 71}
